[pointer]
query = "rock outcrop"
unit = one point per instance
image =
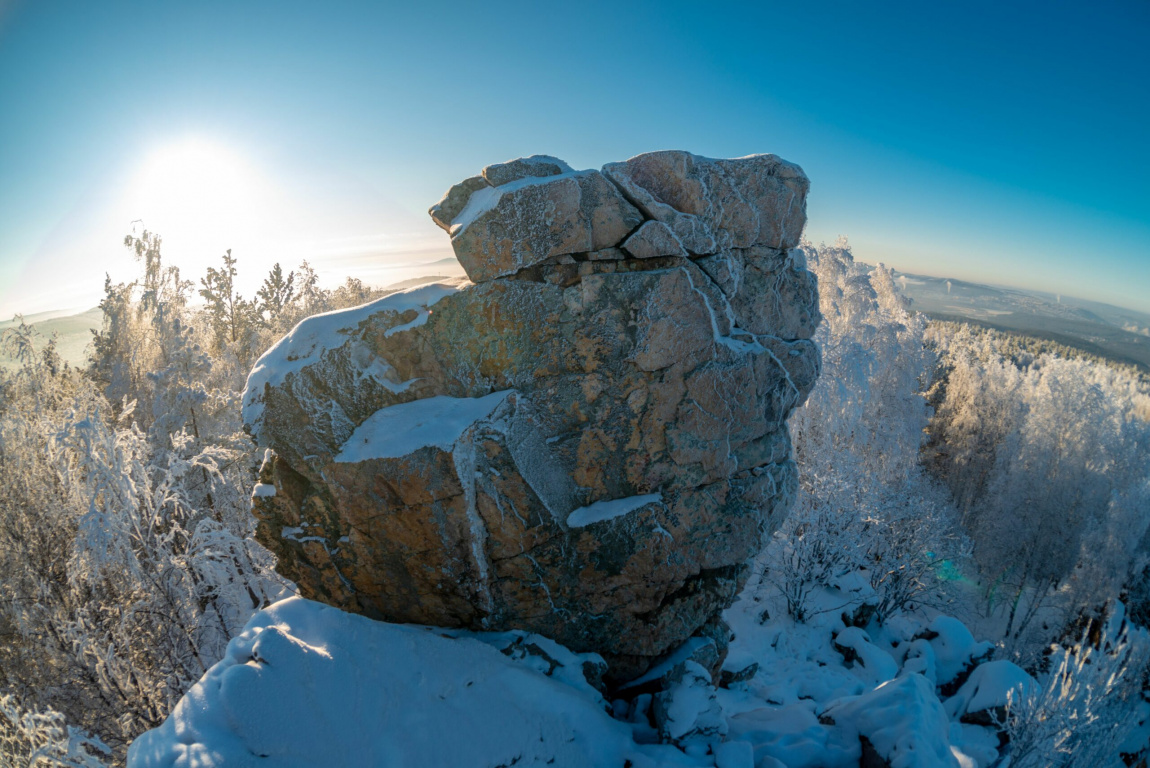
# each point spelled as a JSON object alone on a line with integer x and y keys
{"x": 588, "y": 441}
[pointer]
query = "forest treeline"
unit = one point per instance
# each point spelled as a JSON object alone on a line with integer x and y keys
{"x": 950, "y": 467}
{"x": 1023, "y": 350}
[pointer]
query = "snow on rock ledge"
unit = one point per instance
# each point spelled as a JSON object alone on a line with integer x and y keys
{"x": 610, "y": 509}
{"x": 314, "y": 336}
{"x": 613, "y": 500}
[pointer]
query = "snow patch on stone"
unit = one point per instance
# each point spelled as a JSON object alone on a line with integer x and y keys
{"x": 419, "y": 320}
{"x": 399, "y": 430}
{"x": 484, "y": 200}
{"x": 263, "y": 491}
{"x": 683, "y": 653}
{"x": 610, "y": 509}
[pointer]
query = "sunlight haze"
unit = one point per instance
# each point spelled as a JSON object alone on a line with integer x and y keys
{"x": 286, "y": 132}
{"x": 609, "y": 384}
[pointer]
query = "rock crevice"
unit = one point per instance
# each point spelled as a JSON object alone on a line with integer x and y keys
{"x": 586, "y": 440}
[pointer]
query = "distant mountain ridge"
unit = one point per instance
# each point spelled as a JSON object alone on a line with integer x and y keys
{"x": 1112, "y": 332}
{"x": 1116, "y": 333}
{"x": 74, "y": 329}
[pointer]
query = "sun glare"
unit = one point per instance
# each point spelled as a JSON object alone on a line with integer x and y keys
{"x": 203, "y": 197}
{"x": 194, "y": 181}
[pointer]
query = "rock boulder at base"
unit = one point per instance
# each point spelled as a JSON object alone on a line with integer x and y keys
{"x": 588, "y": 441}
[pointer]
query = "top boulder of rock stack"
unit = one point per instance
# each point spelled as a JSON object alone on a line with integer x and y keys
{"x": 588, "y": 441}
{"x": 535, "y": 209}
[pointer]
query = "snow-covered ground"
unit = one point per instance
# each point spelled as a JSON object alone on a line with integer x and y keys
{"x": 307, "y": 684}
{"x": 825, "y": 691}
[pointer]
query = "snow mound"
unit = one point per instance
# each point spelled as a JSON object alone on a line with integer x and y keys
{"x": 955, "y": 649}
{"x": 689, "y": 707}
{"x": 794, "y": 737}
{"x": 877, "y": 666}
{"x": 989, "y": 687}
{"x": 902, "y": 720}
{"x": 309, "y": 685}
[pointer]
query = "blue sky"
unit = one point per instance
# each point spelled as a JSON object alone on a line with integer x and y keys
{"x": 997, "y": 142}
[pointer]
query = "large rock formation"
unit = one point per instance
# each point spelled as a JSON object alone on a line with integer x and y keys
{"x": 587, "y": 442}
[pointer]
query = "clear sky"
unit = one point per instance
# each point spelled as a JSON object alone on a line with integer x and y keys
{"x": 1002, "y": 142}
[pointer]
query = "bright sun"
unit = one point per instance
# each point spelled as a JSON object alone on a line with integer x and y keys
{"x": 193, "y": 182}
{"x": 203, "y": 197}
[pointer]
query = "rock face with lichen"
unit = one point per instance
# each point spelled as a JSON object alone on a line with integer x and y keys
{"x": 586, "y": 440}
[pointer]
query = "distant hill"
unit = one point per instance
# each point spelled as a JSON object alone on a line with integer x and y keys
{"x": 73, "y": 332}
{"x": 402, "y": 284}
{"x": 1112, "y": 332}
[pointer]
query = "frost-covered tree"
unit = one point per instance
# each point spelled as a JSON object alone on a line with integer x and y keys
{"x": 1041, "y": 458}
{"x": 865, "y": 502}
{"x": 1049, "y": 460}
{"x": 143, "y": 321}
{"x": 125, "y": 532}
{"x": 310, "y": 299}
{"x": 125, "y": 529}
{"x": 232, "y": 318}
{"x": 275, "y": 295}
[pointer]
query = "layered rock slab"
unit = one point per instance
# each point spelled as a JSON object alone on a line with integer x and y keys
{"x": 526, "y": 221}
{"x": 588, "y": 442}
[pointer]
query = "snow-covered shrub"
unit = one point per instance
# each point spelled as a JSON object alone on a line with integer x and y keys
{"x": 125, "y": 535}
{"x": 815, "y": 547}
{"x": 43, "y": 738}
{"x": 1087, "y": 706}
{"x": 125, "y": 529}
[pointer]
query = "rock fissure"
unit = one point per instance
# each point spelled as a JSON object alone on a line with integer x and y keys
{"x": 646, "y": 401}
